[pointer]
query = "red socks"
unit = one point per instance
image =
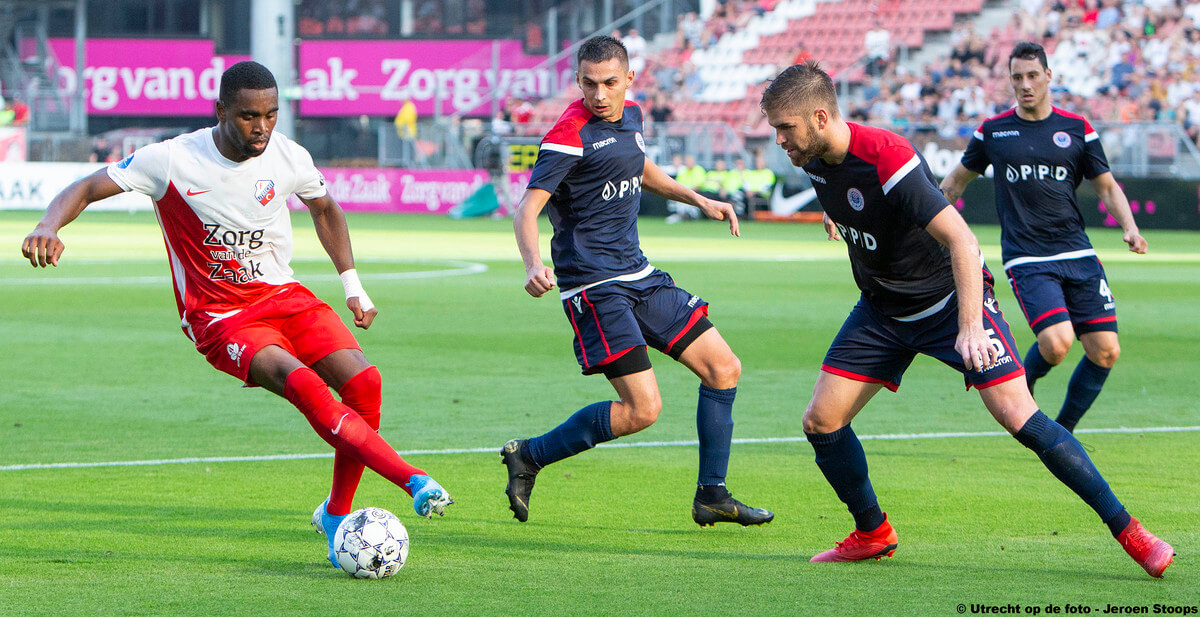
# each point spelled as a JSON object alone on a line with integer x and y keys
{"x": 350, "y": 428}
{"x": 363, "y": 394}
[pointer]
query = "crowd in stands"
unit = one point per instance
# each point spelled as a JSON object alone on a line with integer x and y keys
{"x": 370, "y": 18}
{"x": 351, "y": 17}
{"x": 1114, "y": 61}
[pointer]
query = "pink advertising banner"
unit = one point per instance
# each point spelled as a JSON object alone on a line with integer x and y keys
{"x": 143, "y": 77}
{"x": 340, "y": 78}
{"x": 415, "y": 191}
{"x": 146, "y": 77}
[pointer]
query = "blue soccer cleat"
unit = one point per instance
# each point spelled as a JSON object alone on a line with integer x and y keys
{"x": 327, "y": 524}
{"x": 428, "y": 496}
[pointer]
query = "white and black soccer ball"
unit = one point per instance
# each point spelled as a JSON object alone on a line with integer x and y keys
{"x": 371, "y": 543}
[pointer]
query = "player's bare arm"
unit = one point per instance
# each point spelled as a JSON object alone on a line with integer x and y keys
{"x": 830, "y": 228}
{"x": 330, "y": 223}
{"x": 538, "y": 277}
{"x": 43, "y": 247}
{"x": 949, "y": 228}
{"x": 1114, "y": 200}
{"x": 956, "y": 182}
{"x": 657, "y": 181}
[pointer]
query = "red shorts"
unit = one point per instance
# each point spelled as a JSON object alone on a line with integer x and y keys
{"x": 292, "y": 318}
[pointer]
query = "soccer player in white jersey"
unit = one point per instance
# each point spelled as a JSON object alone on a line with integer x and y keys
{"x": 220, "y": 196}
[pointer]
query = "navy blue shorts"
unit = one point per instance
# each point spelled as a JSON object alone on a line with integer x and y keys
{"x": 612, "y": 319}
{"x": 874, "y": 348}
{"x": 1074, "y": 290}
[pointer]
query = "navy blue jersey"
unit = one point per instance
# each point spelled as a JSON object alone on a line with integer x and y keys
{"x": 881, "y": 197}
{"x": 593, "y": 172}
{"x": 1038, "y": 166}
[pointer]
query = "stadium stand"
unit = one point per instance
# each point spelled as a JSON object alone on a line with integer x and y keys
{"x": 1142, "y": 59}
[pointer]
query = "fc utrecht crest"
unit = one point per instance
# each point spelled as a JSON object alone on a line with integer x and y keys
{"x": 264, "y": 191}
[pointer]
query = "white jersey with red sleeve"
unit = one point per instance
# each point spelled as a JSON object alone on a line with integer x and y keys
{"x": 225, "y": 224}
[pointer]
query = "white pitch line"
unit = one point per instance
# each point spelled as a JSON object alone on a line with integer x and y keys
{"x": 637, "y": 444}
{"x": 458, "y": 268}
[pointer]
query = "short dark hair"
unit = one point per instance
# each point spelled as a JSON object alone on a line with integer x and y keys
{"x": 602, "y": 49}
{"x": 801, "y": 86}
{"x": 1028, "y": 50}
{"x": 245, "y": 75}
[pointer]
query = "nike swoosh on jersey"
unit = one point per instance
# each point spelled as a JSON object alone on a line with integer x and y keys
{"x": 193, "y": 194}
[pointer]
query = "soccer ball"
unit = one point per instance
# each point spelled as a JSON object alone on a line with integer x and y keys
{"x": 371, "y": 543}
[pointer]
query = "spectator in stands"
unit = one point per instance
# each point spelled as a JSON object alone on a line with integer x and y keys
{"x": 660, "y": 109}
{"x": 885, "y": 108}
{"x": 1109, "y": 15}
{"x": 692, "y": 28}
{"x": 690, "y": 80}
{"x": 1189, "y": 114}
{"x": 476, "y": 17}
{"x": 635, "y": 45}
{"x": 877, "y": 49}
{"x": 428, "y": 19}
{"x": 522, "y": 112}
{"x": 100, "y": 150}
{"x": 910, "y": 90}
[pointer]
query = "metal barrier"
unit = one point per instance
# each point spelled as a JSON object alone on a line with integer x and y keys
{"x": 1150, "y": 150}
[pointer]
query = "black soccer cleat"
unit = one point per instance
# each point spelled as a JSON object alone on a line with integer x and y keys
{"x": 729, "y": 510}
{"x": 521, "y": 474}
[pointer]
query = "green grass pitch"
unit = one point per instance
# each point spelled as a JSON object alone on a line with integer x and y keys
{"x": 95, "y": 369}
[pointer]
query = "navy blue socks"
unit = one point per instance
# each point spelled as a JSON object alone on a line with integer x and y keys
{"x": 714, "y": 425}
{"x": 1084, "y": 387}
{"x": 1036, "y": 366}
{"x": 1064, "y": 457}
{"x": 582, "y": 431}
{"x": 840, "y": 457}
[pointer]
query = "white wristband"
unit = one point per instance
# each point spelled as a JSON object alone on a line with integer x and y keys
{"x": 354, "y": 289}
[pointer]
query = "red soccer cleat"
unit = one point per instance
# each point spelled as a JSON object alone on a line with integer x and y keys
{"x": 864, "y": 545}
{"x": 1152, "y": 554}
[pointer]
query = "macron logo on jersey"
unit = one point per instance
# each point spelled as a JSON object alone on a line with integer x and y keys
{"x": 1001, "y": 134}
{"x": 1022, "y": 173}
{"x": 605, "y": 142}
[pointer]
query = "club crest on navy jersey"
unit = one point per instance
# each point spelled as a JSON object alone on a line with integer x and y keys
{"x": 640, "y": 142}
{"x": 1062, "y": 139}
{"x": 264, "y": 191}
{"x": 855, "y": 197}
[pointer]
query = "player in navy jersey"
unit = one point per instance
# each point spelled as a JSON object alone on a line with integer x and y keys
{"x": 925, "y": 290}
{"x": 591, "y": 170}
{"x": 1040, "y": 155}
